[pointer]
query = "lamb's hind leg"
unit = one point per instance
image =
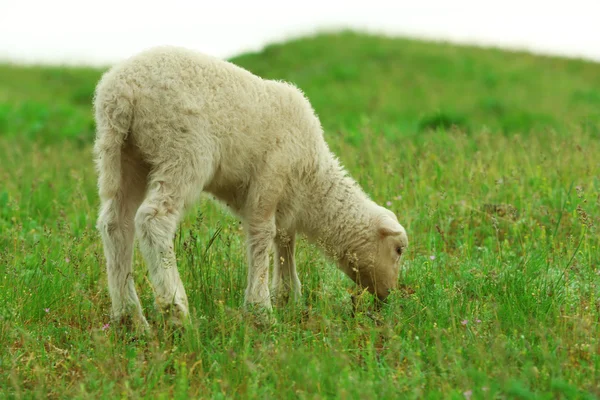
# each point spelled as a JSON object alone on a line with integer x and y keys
{"x": 261, "y": 230}
{"x": 260, "y": 241}
{"x": 156, "y": 223}
{"x": 285, "y": 277}
{"x": 116, "y": 226}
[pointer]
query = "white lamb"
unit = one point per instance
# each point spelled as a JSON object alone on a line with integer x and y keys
{"x": 172, "y": 123}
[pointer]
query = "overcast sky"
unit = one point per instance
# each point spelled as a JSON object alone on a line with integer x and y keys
{"x": 105, "y": 31}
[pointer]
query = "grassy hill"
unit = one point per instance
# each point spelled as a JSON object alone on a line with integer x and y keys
{"x": 489, "y": 158}
{"x": 402, "y": 86}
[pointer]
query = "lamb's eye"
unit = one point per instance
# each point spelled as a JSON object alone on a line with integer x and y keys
{"x": 399, "y": 250}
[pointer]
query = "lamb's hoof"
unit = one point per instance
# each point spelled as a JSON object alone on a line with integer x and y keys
{"x": 260, "y": 315}
{"x": 281, "y": 299}
{"x": 288, "y": 302}
{"x": 175, "y": 316}
{"x": 284, "y": 296}
{"x": 135, "y": 325}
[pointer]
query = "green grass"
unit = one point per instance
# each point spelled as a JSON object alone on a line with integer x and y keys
{"x": 490, "y": 159}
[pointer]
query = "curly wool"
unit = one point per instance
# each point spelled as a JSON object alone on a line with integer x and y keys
{"x": 173, "y": 123}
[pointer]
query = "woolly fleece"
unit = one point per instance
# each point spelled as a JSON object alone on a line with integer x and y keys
{"x": 173, "y": 123}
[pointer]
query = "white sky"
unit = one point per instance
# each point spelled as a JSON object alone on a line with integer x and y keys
{"x": 104, "y": 31}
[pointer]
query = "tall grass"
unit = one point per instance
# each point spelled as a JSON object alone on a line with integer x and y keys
{"x": 499, "y": 291}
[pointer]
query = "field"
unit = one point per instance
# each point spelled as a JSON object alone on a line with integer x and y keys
{"x": 491, "y": 160}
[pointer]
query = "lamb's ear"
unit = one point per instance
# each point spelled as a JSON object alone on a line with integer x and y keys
{"x": 387, "y": 227}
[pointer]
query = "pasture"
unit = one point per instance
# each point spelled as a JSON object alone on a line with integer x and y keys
{"x": 490, "y": 159}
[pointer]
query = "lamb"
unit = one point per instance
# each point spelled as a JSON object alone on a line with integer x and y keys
{"x": 172, "y": 124}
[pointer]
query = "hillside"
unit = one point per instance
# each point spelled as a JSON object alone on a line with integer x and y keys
{"x": 400, "y": 86}
{"x": 490, "y": 159}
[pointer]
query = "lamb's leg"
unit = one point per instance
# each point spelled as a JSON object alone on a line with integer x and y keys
{"x": 116, "y": 226}
{"x": 260, "y": 240}
{"x": 156, "y": 222}
{"x": 285, "y": 277}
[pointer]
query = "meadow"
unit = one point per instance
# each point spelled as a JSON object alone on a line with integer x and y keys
{"x": 491, "y": 160}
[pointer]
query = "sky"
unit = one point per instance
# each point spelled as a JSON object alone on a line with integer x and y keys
{"x": 106, "y": 31}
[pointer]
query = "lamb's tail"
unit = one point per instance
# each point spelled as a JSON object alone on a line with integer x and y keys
{"x": 114, "y": 114}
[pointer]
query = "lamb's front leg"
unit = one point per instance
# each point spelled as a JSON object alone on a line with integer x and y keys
{"x": 260, "y": 241}
{"x": 285, "y": 277}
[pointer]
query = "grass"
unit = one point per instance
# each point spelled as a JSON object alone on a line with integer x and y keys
{"x": 489, "y": 158}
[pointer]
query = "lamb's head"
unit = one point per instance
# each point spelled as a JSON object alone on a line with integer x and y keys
{"x": 374, "y": 263}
